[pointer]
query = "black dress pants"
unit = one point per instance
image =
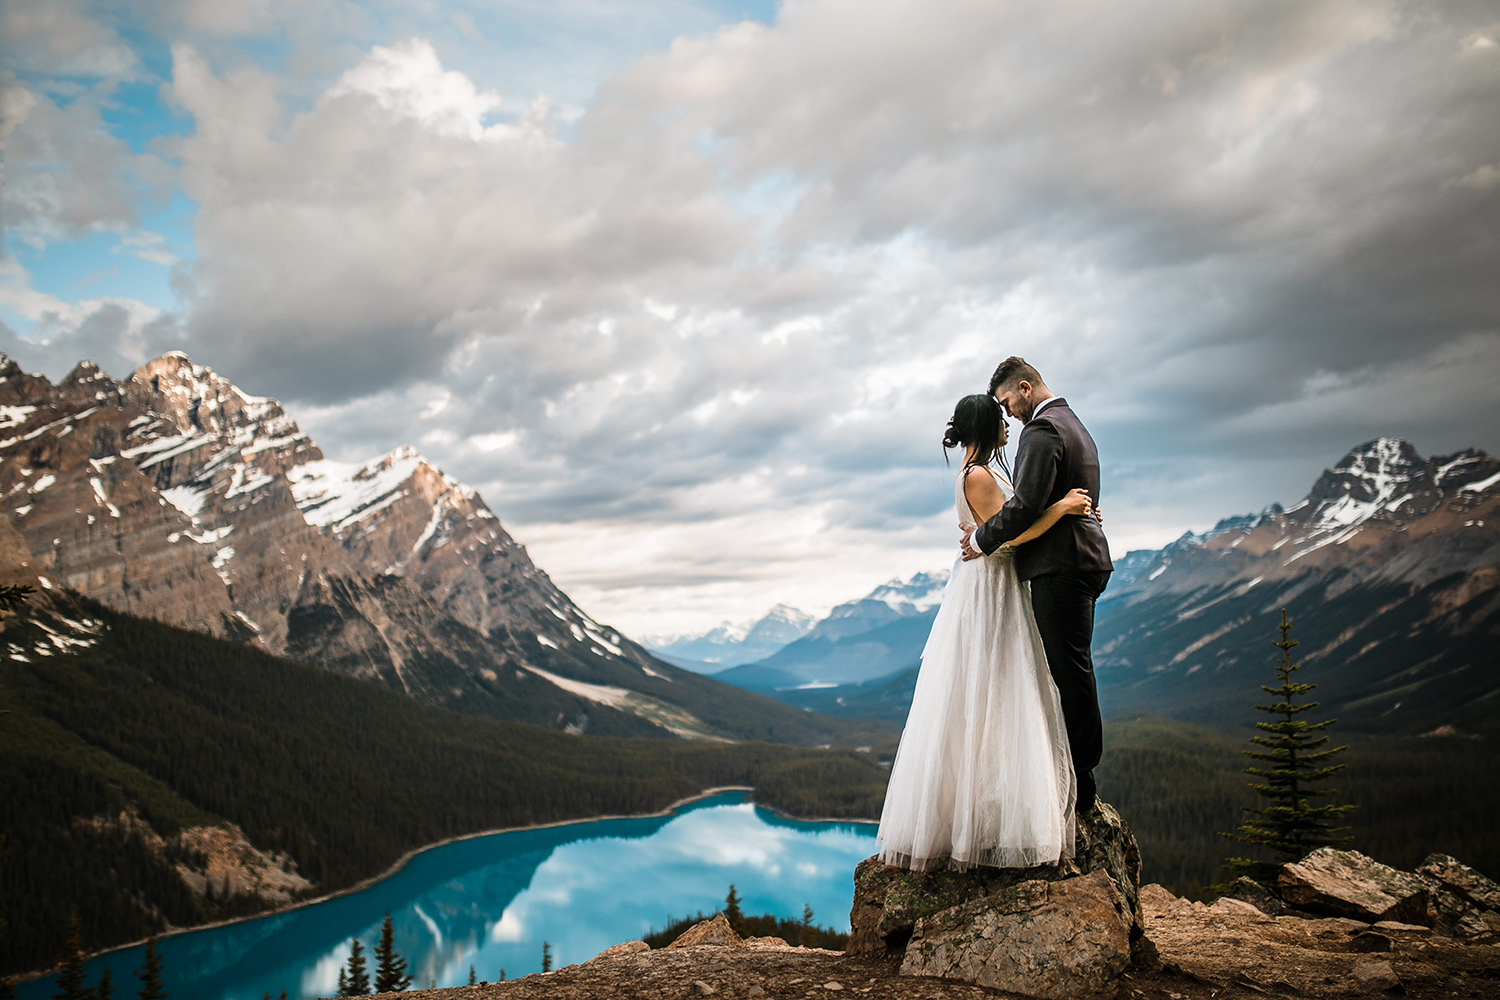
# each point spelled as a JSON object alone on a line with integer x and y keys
{"x": 1064, "y": 607}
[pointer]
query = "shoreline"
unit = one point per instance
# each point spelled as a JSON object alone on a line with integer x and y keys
{"x": 406, "y": 859}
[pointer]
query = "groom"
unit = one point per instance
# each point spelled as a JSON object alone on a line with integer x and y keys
{"x": 1069, "y": 565}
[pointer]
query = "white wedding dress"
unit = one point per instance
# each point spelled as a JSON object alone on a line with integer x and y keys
{"x": 983, "y": 775}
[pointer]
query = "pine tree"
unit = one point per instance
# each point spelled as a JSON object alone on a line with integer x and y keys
{"x": 70, "y": 964}
{"x": 502, "y": 975}
{"x": 149, "y": 974}
{"x": 805, "y": 933}
{"x": 343, "y": 989}
{"x": 105, "y": 990}
{"x": 13, "y": 595}
{"x": 390, "y": 968}
{"x": 1288, "y": 825}
{"x": 732, "y": 910}
{"x": 356, "y": 979}
{"x": 472, "y": 980}
{"x": 546, "y": 957}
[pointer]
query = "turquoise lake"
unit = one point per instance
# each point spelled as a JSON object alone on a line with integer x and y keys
{"x": 491, "y": 901}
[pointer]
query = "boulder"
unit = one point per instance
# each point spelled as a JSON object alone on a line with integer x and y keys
{"x": 709, "y": 932}
{"x": 1248, "y": 890}
{"x": 1051, "y": 939}
{"x": 1349, "y": 884}
{"x": 1377, "y": 975}
{"x": 1451, "y": 915}
{"x": 621, "y": 950}
{"x": 888, "y": 902}
{"x": 1462, "y": 902}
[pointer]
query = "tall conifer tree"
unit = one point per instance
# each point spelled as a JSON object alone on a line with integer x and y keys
{"x": 149, "y": 974}
{"x": 70, "y": 964}
{"x": 732, "y": 911}
{"x": 356, "y": 981}
{"x": 390, "y": 968}
{"x": 105, "y": 990}
{"x": 1295, "y": 758}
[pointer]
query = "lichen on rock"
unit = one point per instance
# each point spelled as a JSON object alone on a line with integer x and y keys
{"x": 1055, "y": 940}
{"x": 888, "y": 901}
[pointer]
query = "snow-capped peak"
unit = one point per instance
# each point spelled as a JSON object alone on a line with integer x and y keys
{"x": 1369, "y": 479}
{"x": 921, "y": 593}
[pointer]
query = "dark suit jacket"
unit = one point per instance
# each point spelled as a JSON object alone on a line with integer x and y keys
{"x": 1055, "y": 455}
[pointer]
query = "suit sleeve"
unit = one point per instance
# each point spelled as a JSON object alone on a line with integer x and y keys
{"x": 1038, "y": 457}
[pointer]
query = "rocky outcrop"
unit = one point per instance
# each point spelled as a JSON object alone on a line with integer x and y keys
{"x": 1349, "y": 884}
{"x": 1227, "y": 950}
{"x": 714, "y": 931}
{"x": 1057, "y": 940}
{"x": 217, "y": 861}
{"x": 888, "y": 901}
{"x": 1049, "y": 931}
{"x": 1232, "y": 944}
{"x": 1461, "y": 880}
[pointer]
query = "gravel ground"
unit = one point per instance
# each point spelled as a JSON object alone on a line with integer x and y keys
{"x": 1250, "y": 972}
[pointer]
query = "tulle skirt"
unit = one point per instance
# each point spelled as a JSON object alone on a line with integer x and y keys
{"x": 983, "y": 775}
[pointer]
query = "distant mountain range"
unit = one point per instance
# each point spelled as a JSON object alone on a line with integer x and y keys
{"x": 875, "y": 636}
{"x": 729, "y": 645}
{"x": 177, "y": 496}
{"x": 1389, "y": 569}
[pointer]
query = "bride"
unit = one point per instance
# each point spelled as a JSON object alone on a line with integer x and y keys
{"x": 983, "y": 775}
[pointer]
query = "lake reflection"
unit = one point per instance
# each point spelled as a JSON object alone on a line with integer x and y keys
{"x": 491, "y": 901}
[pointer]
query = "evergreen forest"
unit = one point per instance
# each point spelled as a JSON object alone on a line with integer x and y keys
{"x": 106, "y": 750}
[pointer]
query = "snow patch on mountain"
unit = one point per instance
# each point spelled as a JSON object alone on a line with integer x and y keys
{"x": 334, "y": 495}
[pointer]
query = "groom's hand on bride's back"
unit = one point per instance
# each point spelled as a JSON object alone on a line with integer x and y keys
{"x": 964, "y": 544}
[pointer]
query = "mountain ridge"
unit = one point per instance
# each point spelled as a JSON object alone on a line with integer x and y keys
{"x": 176, "y": 495}
{"x": 1389, "y": 567}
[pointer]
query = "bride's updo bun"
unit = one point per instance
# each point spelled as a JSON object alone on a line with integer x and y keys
{"x": 976, "y": 421}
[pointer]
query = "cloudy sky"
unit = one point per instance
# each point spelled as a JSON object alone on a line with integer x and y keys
{"x": 688, "y": 288}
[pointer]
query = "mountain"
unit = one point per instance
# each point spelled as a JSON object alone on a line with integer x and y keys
{"x": 729, "y": 645}
{"x": 880, "y": 634}
{"x": 176, "y": 495}
{"x": 1389, "y": 569}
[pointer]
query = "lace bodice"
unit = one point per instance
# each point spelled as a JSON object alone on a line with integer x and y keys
{"x": 966, "y": 516}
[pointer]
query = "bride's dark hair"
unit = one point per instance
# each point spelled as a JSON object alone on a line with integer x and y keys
{"x": 976, "y": 421}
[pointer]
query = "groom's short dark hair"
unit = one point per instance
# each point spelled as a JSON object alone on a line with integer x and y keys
{"x": 1011, "y": 371}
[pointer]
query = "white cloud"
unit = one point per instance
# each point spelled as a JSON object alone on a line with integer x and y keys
{"x": 66, "y": 175}
{"x": 61, "y": 37}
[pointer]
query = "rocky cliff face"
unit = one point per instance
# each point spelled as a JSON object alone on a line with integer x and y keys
{"x": 1390, "y": 569}
{"x": 175, "y": 495}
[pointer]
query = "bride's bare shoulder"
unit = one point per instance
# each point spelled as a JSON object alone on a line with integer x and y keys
{"x": 980, "y": 479}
